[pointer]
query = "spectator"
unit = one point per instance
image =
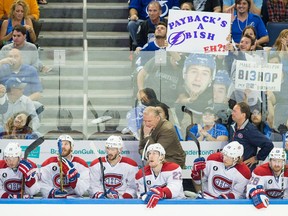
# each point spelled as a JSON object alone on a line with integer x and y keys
{"x": 156, "y": 130}
{"x": 5, "y": 6}
{"x": 17, "y": 127}
{"x": 187, "y": 6}
{"x": 225, "y": 167}
{"x": 197, "y": 92}
{"x": 113, "y": 164}
{"x": 163, "y": 180}
{"x": 249, "y": 136}
{"x": 210, "y": 130}
{"x": 277, "y": 10}
{"x": 207, "y": 5}
{"x": 13, "y": 169}
{"x": 147, "y": 52}
{"x": 145, "y": 32}
{"x": 64, "y": 126}
{"x": 70, "y": 181}
{"x": 281, "y": 43}
{"x": 138, "y": 12}
{"x": 250, "y": 30}
{"x": 268, "y": 179}
{"x": 255, "y": 8}
{"x": 13, "y": 66}
{"x": 14, "y": 101}
{"x": 244, "y": 18}
{"x": 29, "y": 51}
{"x": 18, "y": 16}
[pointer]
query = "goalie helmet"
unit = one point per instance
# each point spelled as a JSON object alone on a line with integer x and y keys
{"x": 66, "y": 137}
{"x": 233, "y": 149}
{"x": 156, "y": 147}
{"x": 277, "y": 153}
{"x": 12, "y": 150}
{"x": 114, "y": 142}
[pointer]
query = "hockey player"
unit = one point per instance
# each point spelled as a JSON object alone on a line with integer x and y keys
{"x": 12, "y": 171}
{"x": 75, "y": 173}
{"x": 224, "y": 175}
{"x": 163, "y": 180}
{"x": 269, "y": 180}
{"x": 119, "y": 173}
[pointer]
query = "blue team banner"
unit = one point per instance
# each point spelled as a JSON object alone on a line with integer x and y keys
{"x": 198, "y": 32}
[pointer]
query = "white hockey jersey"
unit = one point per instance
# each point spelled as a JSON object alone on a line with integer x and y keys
{"x": 274, "y": 187}
{"x": 170, "y": 179}
{"x": 121, "y": 177}
{"x": 218, "y": 180}
{"x": 10, "y": 181}
{"x": 50, "y": 177}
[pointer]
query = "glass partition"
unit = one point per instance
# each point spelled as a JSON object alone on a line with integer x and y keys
{"x": 95, "y": 93}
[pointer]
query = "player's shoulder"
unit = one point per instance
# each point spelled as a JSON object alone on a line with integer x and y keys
{"x": 50, "y": 160}
{"x": 3, "y": 164}
{"x": 129, "y": 161}
{"x": 244, "y": 170}
{"x": 286, "y": 170}
{"x": 147, "y": 171}
{"x": 95, "y": 161}
{"x": 33, "y": 164}
{"x": 215, "y": 157}
{"x": 263, "y": 170}
{"x": 79, "y": 160}
{"x": 169, "y": 166}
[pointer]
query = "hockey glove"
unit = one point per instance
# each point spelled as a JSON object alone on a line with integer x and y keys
{"x": 58, "y": 194}
{"x": 26, "y": 168}
{"x": 70, "y": 171}
{"x": 259, "y": 198}
{"x": 112, "y": 194}
{"x": 198, "y": 166}
{"x": 99, "y": 195}
{"x": 16, "y": 196}
{"x": 152, "y": 197}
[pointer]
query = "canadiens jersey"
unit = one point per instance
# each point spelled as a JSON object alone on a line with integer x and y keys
{"x": 50, "y": 177}
{"x": 121, "y": 177}
{"x": 169, "y": 178}
{"x": 273, "y": 186}
{"x": 218, "y": 180}
{"x": 10, "y": 181}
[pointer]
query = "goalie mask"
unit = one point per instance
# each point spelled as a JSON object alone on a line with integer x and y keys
{"x": 12, "y": 150}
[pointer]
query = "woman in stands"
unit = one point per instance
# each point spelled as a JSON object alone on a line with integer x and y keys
{"x": 250, "y": 30}
{"x": 281, "y": 43}
{"x": 18, "y": 16}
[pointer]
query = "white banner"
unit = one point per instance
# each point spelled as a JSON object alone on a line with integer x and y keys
{"x": 255, "y": 76}
{"x": 198, "y": 32}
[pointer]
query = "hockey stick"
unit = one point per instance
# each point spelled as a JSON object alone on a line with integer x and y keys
{"x": 93, "y": 147}
{"x": 143, "y": 165}
{"x": 193, "y": 137}
{"x": 60, "y": 165}
{"x": 30, "y": 148}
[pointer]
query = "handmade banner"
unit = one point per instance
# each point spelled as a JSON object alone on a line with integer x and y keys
{"x": 198, "y": 32}
{"x": 259, "y": 77}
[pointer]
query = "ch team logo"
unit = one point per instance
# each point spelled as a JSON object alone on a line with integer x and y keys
{"x": 113, "y": 180}
{"x": 221, "y": 183}
{"x": 176, "y": 38}
{"x": 274, "y": 193}
{"x": 12, "y": 185}
{"x": 56, "y": 181}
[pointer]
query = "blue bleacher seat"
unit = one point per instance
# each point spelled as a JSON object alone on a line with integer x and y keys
{"x": 274, "y": 28}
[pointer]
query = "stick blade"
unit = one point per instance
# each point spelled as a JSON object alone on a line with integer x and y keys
{"x": 32, "y": 146}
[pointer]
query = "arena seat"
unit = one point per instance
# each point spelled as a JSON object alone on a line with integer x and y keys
{"x": 274, "y": 28}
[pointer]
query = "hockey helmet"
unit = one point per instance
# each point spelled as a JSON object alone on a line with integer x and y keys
{"x": 277, "y": 153}
{"x": 66, "y": 137}
{"x": 114, "y": 142}
{"x": 12, "y": 150}
{"x": 233, "y": 149}
{"x": 156, "y": 147}
{"x": 222, "y": 78}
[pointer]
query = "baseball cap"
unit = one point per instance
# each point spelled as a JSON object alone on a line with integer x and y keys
{"x": 14, "y": 82}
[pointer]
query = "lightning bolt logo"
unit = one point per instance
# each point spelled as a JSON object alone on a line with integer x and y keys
{"x": 176, "y": 38}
